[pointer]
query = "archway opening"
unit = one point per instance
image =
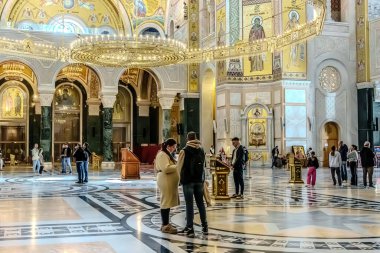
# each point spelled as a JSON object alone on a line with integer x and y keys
{"x": 18, "y": 119}
{"x": 330, "y": 137}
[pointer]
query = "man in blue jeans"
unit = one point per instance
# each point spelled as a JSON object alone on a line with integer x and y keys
{"x": 191, "y": 163}
{"x": 343, "y": 150}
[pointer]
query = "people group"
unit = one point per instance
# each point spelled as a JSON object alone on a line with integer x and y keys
{"x": 81, "y": 154}
{"x": 343, "y": 156}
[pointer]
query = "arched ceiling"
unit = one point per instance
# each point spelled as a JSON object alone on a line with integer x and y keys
{"x": 93, "y": 16}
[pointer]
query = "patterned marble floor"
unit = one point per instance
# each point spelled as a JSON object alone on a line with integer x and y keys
{"x": 51, "y": 213}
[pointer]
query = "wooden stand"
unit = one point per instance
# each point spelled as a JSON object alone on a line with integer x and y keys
{"x": 96, "y": 161}
{"x": 219, "y": 172}
{"x": 130, "y": 165}
{"x": 295, "y": 167}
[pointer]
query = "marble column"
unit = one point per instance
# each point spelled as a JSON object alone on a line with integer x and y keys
{"x": 166, "y": 105}
{"x": 108, "y": 102}
{"x": 328, "y": 10}
{"x": 46, "y": 126}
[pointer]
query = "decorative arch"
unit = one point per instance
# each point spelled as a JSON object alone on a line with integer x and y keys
{"x": 147, "y": 25}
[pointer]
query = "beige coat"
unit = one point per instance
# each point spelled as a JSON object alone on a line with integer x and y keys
{"x": 167, "y": 180}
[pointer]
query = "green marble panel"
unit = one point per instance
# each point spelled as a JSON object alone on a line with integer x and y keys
{"x": 107, "y": 135}
{"x": 46, "y": 128}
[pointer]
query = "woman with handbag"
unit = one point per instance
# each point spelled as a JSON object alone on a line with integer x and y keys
{"x": 313, "y": 165}
{"x": 167, "y": 182}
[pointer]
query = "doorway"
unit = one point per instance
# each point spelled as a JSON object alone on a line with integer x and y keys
{"x": 330, "y": 137}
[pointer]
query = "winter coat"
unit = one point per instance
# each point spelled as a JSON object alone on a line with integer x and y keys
{"x": 167, "y": 180}
{"x": 367, "y": 157}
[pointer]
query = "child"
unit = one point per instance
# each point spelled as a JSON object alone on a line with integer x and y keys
{"x": 312, "y": 164}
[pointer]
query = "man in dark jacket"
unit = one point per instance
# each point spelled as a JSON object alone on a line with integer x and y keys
{"x": 275, "y": 153}
{"x": 191, "y": 161}
{"x": 368, "y": 162}
{"x": 238, "y": 166}
{"x": 343, "y": 150}
{"x": 79, "y": 160}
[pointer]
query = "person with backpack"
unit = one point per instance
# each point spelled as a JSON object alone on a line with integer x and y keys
{"x": 238, "y": 166}
{"x": 313, "y": 165}
{"x": 191, "y": 162}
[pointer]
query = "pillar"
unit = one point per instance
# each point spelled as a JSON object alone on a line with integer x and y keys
{"x": 94, "y": 126}
{"x": 108, "y": 102}
{"x": 166, "y": 103}
{"x": 328, "y": 10}
{"x": 46, "y": 126}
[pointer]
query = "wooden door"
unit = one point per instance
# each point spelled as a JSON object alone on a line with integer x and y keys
{"x": 330, "y": 137}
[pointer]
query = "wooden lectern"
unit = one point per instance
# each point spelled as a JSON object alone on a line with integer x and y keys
{"x": 130, "y": 165}
{"x": 295, "y": 167}
{"x": 219, "y": 171}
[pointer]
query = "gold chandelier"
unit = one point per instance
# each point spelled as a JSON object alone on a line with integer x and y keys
{"x": 148, "y": 51}
{"x": 128, "y": 51}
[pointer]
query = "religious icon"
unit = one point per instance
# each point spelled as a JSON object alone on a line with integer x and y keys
{"x": 64, "y": 98}
{"x": 257, "y": 133}
{"x": 257, "y": 32}
{"x": 140, "y": 8}
{"x": 12, "y": 103}
{"x": 27, "y": 13}
{"x": 93, "y": 18}
{"x": 41, "y": 14}
{"x": 106, "y": 19}
{"x": 293, "y": 22}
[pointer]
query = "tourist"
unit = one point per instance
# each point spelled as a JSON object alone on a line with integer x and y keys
{"x": 308, "y": 153}
{"x": 41, "y": 158}
{"x": 343, "y": 150}
{"x": 191, "y": 164}
{"x": 368, "y": 162}
{"x": 167, "y": 182}
{"x": 335, "y": 161}
{"x": 79, "y": 159}
{"x": 238, "y": 166}
{"x": 68, "y": 158}
{"x": 87, "y": 154}
{"x": 313, "y": 165}
{"x": 352, "y": 159}
{"x": 275, "y": 153}
{"x": 36, "y": 158}
{"x": 1, "y": 160}
{"x": 63, "y": 156}
{"x": 212, "y": 150}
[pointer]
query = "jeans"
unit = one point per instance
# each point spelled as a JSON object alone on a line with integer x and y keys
{"x": 337, "y": 171}
{"x": 311, "y": 176}
{"x": 354, "y": 176}
{"x": 85, "y": 171}
{"x": 63, "y": 164}
{"x": 36, "y": 165}
{"x": 343, "y": 171}
{"x": 369, "y": 171}
{"x": 68, "y": 163}
{"x": 239, "y": 181}
{"x": 191, "y": 191}
{"x": 80, "y": 171}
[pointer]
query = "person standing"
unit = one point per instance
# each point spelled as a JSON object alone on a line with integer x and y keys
{"x": 191, "y": 162}
{"x": 63, "y": 156}
{"x": 368, "y": 162}
{"x": 42, "y": 161}
{"x": 1, "y": 160}
{"x": 275, "y": 153}
{"x": 68, "y": 158}
{"x": 352, "y": 159}
{"x": 343, "y": 150}
{"x": 167, "y": 182}
{"x": 335, "y": 161}
{"x": 79, "y": 159}
{"x": 87, "y": 154}
{"x": 238, "y": 163}
{"x": 36, "y": 158}
{"x": 313, "y": 165}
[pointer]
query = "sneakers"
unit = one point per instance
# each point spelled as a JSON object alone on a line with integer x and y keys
{"x": 169, "y": 229}
{"x": 188, "y": 232}
{"x": 234, "y": 196}
{"x": 241, "y": 196}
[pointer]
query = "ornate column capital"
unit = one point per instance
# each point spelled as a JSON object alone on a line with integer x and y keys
{"x": 166, "y": 103}
{"x": 93, "y": 106}
{"x": 46, "y": 99}
{"x": 46, "y": 94}
{"x": 108, "y": 101}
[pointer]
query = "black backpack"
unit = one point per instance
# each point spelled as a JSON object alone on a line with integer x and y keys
{"x": 245, "y": 150}
{"x": 193, "y": 170}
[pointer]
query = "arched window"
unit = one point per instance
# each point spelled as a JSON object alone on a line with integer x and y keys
{"x": 151, "y": 31}
{"x": 66, "y": 24}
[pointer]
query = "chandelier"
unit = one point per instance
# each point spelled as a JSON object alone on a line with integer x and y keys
{"x": 128, "y": 51}
{"x": 148, "y": 51}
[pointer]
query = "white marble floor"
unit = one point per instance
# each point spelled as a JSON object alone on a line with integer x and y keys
{"x": 51, "y": 213}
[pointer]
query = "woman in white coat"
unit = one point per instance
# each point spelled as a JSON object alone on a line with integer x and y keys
{"x": 167, "y": 181}
{"x": 335, "y": 161}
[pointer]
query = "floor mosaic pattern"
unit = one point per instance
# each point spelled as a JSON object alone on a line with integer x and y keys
{"x": 51, "y": 213}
